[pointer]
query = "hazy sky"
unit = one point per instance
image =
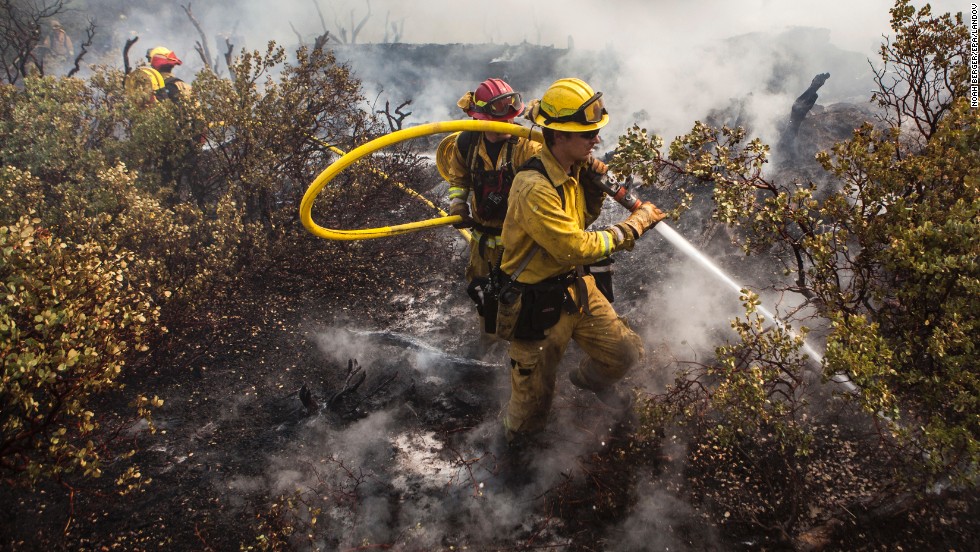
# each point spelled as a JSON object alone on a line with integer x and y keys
{"x": 673, "y": 63}
{"x": 854, "y": 24}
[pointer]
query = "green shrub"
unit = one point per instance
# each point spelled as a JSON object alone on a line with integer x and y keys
{"x": 145, "y": 217}
{"x": 889, "y": 263}
{"x": 69, "y": 320}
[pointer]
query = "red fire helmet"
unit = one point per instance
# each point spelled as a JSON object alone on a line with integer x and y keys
{"x": 162, "y": 57}
{"x": 495, "y": 100}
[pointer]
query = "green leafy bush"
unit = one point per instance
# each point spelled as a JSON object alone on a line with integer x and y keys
{"x": 143, "y": 218}
{"x": 69, "y": 319}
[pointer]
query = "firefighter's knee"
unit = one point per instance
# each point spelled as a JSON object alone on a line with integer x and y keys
{"x": 631, "y": 349}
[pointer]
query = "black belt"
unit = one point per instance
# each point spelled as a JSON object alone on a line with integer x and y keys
{"x": 566, "y": 279}
{"x": 572, "y": 277}
{"x": 489, "y": 230}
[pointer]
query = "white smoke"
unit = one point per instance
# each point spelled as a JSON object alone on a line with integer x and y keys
{"x": 677, "y": 64}
{"x": 678, "y": 59}
{"x": 691, "y": 307}
{"x": 627, "y": 24}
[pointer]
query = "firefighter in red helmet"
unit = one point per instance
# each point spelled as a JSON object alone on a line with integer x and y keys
{"x": 480, "y": 167}
{"x": 162, "y": 59}
{"x": 157, "y": 79}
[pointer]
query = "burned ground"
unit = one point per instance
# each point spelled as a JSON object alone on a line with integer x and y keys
{"x": 410, "y": 456}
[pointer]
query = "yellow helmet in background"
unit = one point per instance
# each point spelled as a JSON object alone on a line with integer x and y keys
{"x": 570, "y": 105}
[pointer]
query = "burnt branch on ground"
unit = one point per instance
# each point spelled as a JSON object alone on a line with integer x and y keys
{"x": 355, "y": 378}
{"x": 347, "y": 402}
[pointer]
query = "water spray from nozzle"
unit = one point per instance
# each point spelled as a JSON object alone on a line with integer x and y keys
{"x": 624, "y": 197}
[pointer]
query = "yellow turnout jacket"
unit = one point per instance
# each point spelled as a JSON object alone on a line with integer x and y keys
{"x": 535, "y": 215}
{"x": 453, "y": 163}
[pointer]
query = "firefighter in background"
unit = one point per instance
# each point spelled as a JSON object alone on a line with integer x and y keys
{"x": 56, "y": 48}
{"x": 480, "y": 167}
{"x": 551, "y": 299}
{"x": 59, "y": 50}
{"x": 156, "y": 81}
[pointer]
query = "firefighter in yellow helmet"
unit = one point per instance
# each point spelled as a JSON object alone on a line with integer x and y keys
{"x": 156, "y": 80}
{"x": 480, "y": 167}
{"x": 549, "y": 299}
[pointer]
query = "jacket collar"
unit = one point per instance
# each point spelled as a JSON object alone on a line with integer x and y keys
{"x": 556, "y": 174}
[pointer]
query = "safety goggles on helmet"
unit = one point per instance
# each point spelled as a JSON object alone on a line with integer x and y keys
{"x": 501, "y": 106}
{"x": 590, "y": 112}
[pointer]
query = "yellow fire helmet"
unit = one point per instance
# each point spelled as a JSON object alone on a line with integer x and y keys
{"x": 570, "y": 105}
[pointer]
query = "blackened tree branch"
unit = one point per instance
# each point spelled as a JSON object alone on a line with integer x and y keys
{"x": 202, "y": 45}
{"x": 89, "y": 35}
{"x": 128, "y": 45}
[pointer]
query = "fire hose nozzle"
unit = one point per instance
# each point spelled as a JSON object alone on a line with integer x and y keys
{"x": 618, "y": 192}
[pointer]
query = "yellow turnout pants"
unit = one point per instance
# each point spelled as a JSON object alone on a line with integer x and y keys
{"x": 612, "y": 349}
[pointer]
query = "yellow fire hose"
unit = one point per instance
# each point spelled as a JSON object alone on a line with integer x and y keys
{"x": 306, "y": 205}
{"x": 466, "y": 234}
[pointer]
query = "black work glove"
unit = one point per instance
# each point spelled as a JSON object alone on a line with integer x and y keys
{"x": 462, "y": 209}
